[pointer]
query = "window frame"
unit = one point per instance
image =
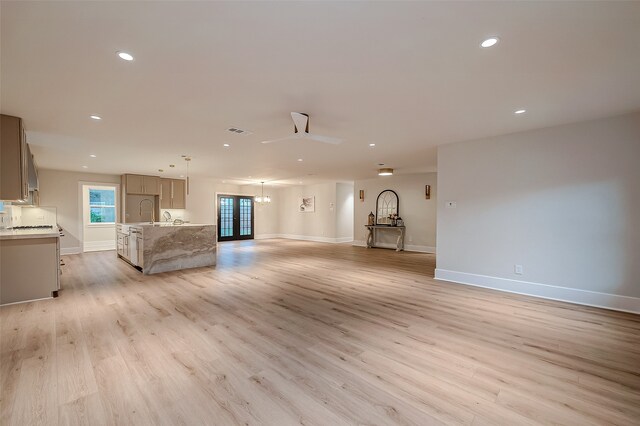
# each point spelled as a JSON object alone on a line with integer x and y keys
{"x": 114, "y": 206}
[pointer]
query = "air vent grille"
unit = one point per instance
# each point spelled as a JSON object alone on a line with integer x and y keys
{"x": 238, "y": 131}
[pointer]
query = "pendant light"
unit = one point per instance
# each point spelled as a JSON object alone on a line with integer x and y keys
{"x": 188, "y": 160}
{"x": 262, "y": 199}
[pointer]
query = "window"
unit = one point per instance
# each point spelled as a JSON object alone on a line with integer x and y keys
{"x": 102, "y": 205}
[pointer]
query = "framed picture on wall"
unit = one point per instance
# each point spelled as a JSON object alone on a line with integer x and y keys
{"x": 307, "y": 204}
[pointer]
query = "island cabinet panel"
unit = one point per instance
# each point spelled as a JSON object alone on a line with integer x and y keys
{"x": 14, "y": 178}
{"x": 142, "y": 185}
{"x": 172, "y": 194}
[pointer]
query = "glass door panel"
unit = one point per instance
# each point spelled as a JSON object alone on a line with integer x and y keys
{"x": 235, "y": 217}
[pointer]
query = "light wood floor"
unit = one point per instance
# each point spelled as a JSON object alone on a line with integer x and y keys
{"x": 287, "y": 332}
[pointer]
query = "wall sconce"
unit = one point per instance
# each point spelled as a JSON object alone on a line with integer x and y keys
{"x": 362, "y": 195}
{"x": 427, "y": 192}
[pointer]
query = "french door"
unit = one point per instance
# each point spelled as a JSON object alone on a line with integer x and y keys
{"x": 235, "y": 217}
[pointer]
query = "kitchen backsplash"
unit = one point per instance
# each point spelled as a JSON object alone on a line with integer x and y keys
{"x": 27, "y": 216}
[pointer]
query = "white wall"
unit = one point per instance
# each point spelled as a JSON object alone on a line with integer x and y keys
{"x": 563, "y": 202}
{"x": 344, "y": 211}
{"x": 59, "y": 189}
{"x": 201, "y": 204}
{"x": 325, "y": 224}
{"x": 418, "y": 213}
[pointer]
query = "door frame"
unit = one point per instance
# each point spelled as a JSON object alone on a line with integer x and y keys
{"x": 236, "y": 215}
{"x": 81, "y": 206}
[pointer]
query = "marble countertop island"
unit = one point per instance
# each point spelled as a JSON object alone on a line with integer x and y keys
{"x": 168, "y": 247}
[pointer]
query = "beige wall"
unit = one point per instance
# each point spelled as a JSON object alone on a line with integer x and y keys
{"x": 60, "y": 189}
{"x": 563, "y": 202}
{"x": 418, "y": 213}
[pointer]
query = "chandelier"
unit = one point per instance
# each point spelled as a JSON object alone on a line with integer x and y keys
{"x": 262, "y": 199}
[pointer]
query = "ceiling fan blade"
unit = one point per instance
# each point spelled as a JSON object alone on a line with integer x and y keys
{"x": 301, "y": 121}
{"x": 295, "y": 136}
{"x": 325, "y": 139}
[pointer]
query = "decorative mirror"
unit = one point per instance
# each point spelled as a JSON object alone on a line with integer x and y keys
{"x": 386, "y": 205}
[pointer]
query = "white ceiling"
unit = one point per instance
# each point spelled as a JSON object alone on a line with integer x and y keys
{"x": 406, "y": 76}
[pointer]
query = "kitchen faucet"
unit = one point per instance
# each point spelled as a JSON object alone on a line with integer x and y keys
{"x": 153, "y": 213}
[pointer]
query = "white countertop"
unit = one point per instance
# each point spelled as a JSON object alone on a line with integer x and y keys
{"x": 14, "y": 234}
{"x": 167, "y": 224}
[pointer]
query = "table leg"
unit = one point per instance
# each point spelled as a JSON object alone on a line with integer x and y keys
{"x": 370, "y": 238}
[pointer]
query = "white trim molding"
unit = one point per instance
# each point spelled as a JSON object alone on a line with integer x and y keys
{"x": 304, "y": 238}
{"x": 407, "y": 247}
{"x": 545, "y": 291}
{"x": 99, "y": 245}
{"x": 70, "y": 250}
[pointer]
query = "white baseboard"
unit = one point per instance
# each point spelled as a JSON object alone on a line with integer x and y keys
{"x": 99, "y": 245}
{"x": 70, "y": 250}
{"x": 312, "y": 238}
{"x": 304, "y": 238}
{"x": 266, "y": 236}
{"x": 545, "y": 291}
{"x": 344, "y": 239}
{"x": 407, "y": 247}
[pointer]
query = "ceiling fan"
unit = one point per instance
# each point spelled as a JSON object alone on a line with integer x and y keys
{"x": 301, "y": 131}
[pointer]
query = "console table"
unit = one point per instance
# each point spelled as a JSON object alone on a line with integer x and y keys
{"x": 373, "y": 230}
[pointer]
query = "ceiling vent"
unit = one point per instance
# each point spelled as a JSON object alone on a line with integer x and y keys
{"x": 238, "y": 131}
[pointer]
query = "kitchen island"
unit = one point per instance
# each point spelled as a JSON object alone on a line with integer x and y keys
{"x": 163, "y": 247}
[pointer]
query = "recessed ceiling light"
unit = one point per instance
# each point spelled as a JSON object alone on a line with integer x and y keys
{"x": 92, "y": 155}
{"x": 161, "y": 170}
{"x": 126, "y": 56}
{"x": 95, "y": 117}
{"x": 85, "y": 167}
{"x": 372, "y": 144}
{"x": 299, "y": 159}
{"x": 226, "y": 145}
{"x": 385, "y": 172}
{"x": 491, "y": 41}
{"x": 520, "y": 111}
{"x": 181, "y": 175}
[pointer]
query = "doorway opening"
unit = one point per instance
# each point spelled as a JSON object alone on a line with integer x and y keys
{"x": 99, "y": 216}
{"x": 235, "y": 217}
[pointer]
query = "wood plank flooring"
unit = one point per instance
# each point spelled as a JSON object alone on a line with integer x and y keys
{"x": 289, "y": 332}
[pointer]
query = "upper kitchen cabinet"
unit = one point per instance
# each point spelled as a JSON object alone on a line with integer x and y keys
{"x": 34, "y": 183}
{"x": 14, "y": 170}
{"x": 172, "y": 194}
{"x": 179, "y": 194}
{"x": 142, "y": 185}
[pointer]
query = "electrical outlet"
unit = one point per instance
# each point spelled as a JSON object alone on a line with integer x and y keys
{"x": 410, "y": 238}
{"x": 517, "y": 269}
